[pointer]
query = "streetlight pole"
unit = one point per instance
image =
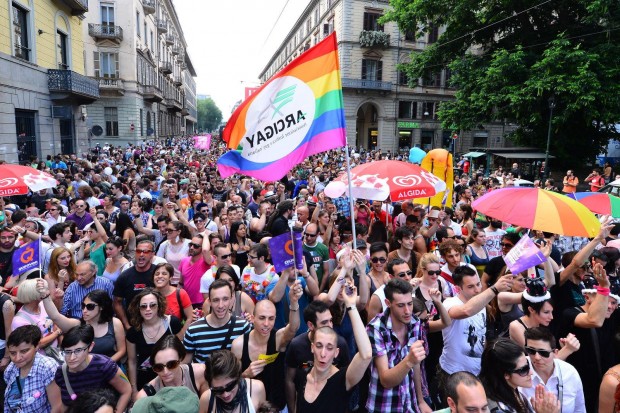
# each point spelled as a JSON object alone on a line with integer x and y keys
{"x": 551, "y": 107}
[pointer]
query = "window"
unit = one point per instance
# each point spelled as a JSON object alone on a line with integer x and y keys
{"x": 428, "y": 110}
{"x": 371, "y": 22}
{"x": 403, "y": 79}
{"x": 138, "y": 23}
{"x": 328, "y": 27}
{"x": 141, "y": 122}
{"x": 111, "y": 121}
{"x": 21, "y": 33}
{"x": 432, "y": 79}
{"x": 106, "y": 64}
{"x": 372, "y": 69}
{"x": 146, "y": 39}
{"x": 410, "y": 36}
{"x": 151, "y": 35}
{"x": 481, "y": 139}
{"x": 61, "y": 49}
{"x": 433, "y": 33}
{"x": 407, "y": 109}
{"x": 107, "y": 14}
{"x": 448, "y": 74}
{"x": 316, "y": 16}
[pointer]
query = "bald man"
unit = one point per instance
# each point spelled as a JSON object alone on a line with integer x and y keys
{"x": 303, "y": 216}
{"x": 262, "y": 350}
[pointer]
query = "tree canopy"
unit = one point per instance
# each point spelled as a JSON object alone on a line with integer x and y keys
{"x": 209, "y": 115}
{"x": 508, "y": 57}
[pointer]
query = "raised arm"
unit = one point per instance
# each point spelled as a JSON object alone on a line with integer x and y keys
{"x": 444, "y": 318}
{"x": 277, "y": 293}
{"x": 478, "y": 302}
{"x": 98, "y": 226}
{"x": 64, "y": 323}
{"x": 286, "y": 334}
{"x": 595, "y": 316}
{"x": 584, "y": 254}
{"x": 362, "y": 359}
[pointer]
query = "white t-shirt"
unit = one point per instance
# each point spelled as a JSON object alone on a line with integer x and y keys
{"x": 463, "y": 341}
{"x": 494, "y": 238}
{"x": 208, "y": 277}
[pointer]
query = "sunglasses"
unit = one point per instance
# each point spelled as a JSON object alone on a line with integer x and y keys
{"x": 532, "y": 352}
{"x": 171, "y": 230}
{"x": 438, "y": 272}
{"x": 143, "y": 252}
{"x": 224, "y": 389}
{"x": 375, "y": 260}
{"x": 191, "y": 244}
{"x": 198, "y": 221}
{"x": 506, "y": 245}
{"x": 225, "y": 257}
{"x": 149, "y": 305}
{"x": 310, "y": 235}
{"x": 404, "y": 273}
{"x": 89, "y": 306}
{"x": 170, "y": 365}
{"x": 522, "y": 371}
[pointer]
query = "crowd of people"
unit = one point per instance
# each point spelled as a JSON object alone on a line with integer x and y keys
{"x": 157, "y": 292}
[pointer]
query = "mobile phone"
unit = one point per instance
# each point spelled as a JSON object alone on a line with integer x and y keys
{"x": 349, "y": 290}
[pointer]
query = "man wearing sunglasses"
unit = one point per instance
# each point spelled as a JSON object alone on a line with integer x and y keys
{"x": 193, "y": 267}
{"x": 396, "y": 268}
{"x": 558, "y": 376}
{"x": 134, "y": 279}
{"x": 319, "y": 252}
{"x": 222, "y": 257}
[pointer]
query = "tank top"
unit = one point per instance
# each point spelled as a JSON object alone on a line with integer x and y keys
{"x": 98, "y": 257}
{"x": 272, "y": 375}
{"x": 476, "y": 260}
{"x": 188, "y": 379}
{"x": 515, "y": 313}
{"x": 106, "y": 344}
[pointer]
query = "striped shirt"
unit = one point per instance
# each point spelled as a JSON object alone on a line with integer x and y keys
{"x": 203, "y": 339}
{"x": 75, "y": 293}
{"x": 401, "y": 398}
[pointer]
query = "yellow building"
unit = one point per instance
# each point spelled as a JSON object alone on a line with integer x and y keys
{"x": 43, "y": 89}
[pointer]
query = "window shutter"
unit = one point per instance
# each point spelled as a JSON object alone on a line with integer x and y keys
{"x": 364, "y": 74}
{"x": 116, "y": 65}
{"x": 96, "y": 62}
{"x": 380, "y": 70}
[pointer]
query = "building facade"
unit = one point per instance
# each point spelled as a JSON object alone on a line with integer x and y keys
{"x": 43, "y": 90}
{"x": 136, "y": 51}
{"x": 382, "y": 111}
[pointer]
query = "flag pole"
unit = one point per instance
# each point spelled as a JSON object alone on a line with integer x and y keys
{"x": 354, "y": 241}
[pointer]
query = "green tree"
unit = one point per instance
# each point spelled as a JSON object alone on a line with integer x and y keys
{"x": 209, "y": 115}
{"x": 508, "y": 57}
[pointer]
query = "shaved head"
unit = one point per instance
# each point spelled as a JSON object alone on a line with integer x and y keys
{"x": 263, "y": 305}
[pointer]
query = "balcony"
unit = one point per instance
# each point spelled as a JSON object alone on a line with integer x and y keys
{"x": 105, "y": 32}
{"x": 78, "y": 7}
{"x": 148, "y": 6}
{"x": 173, "y": 105}
{"x": 113, "y": 86}
{"x": 152, "y": 93}
{"x": 177, "y": 80}
{"x": 185, "y": 112}
{"x": 162, "y": 26}
{"x": 176, "y": 50}
{"x": 71, "y": 87}
{"x": 181, "y": 57}
{"x": 165, "y": 67}
{"x": 366, "y": 84}
{"x": 169, "y": 38}
{"x": 374, "y": 39}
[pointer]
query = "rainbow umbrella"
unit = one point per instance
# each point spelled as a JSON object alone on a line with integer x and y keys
{"x": 538, "y": 209}
{"x": 598, "y": 202}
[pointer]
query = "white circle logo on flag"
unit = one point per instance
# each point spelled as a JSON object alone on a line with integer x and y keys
{"x": 278, "y": 120}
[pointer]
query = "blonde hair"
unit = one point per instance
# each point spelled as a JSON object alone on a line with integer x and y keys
{"x": 428, "y": 258}
{"x": 27, "y": 291}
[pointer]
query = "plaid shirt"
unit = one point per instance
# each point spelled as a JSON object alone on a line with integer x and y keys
{"x": 34, "y": 397}
{"x": 343, "y": 206}
{"x": 402, "y": 398}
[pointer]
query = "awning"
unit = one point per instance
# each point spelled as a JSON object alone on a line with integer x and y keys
{"x": 522, "y": 155}
{"x": 474, "y": 154}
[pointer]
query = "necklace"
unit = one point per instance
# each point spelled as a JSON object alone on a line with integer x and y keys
{"x": 154, "y": 335}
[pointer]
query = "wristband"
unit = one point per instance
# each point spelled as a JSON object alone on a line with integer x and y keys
{"x": 293, "y": 309}
{"x": 47, "y": 296}
{"x": 351, "y": 308}
{"x": 494, "y": 289}
{"x": 603, "y": 291}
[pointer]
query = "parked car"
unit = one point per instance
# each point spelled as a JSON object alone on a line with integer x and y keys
{"x": 612, "y": 188}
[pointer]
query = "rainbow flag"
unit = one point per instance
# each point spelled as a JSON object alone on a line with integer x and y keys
{"x": 299, "y": 112}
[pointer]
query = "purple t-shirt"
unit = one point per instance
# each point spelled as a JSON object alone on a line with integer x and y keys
{"x": 98, "y": 374}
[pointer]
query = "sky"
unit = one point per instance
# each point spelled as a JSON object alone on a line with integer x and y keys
{"x": 228, "y": 42}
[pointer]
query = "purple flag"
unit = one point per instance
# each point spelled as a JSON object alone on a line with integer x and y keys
{"x": 281, "y": 248}
{"x": 26, "y": 257}
{"x": 523, "y": 255}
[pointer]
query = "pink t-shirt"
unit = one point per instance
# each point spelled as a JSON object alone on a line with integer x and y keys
{"x": 191, "y": 274}
{"x": 42, "y": 320}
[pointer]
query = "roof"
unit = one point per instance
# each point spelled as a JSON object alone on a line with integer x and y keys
{"x": 523, "y": 155}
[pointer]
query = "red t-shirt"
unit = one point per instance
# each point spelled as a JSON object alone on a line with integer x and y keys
{"x": 173, "y": 307}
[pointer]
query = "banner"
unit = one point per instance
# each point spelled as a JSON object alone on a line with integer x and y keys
{"x": 202, "y": 141}
{"x": 439, "y": 163}
{"x": 281, "y": 249}
{"x": 26, "y": 257}
{"x": 523, "y": 255}
{"x": 299, "y": 112}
